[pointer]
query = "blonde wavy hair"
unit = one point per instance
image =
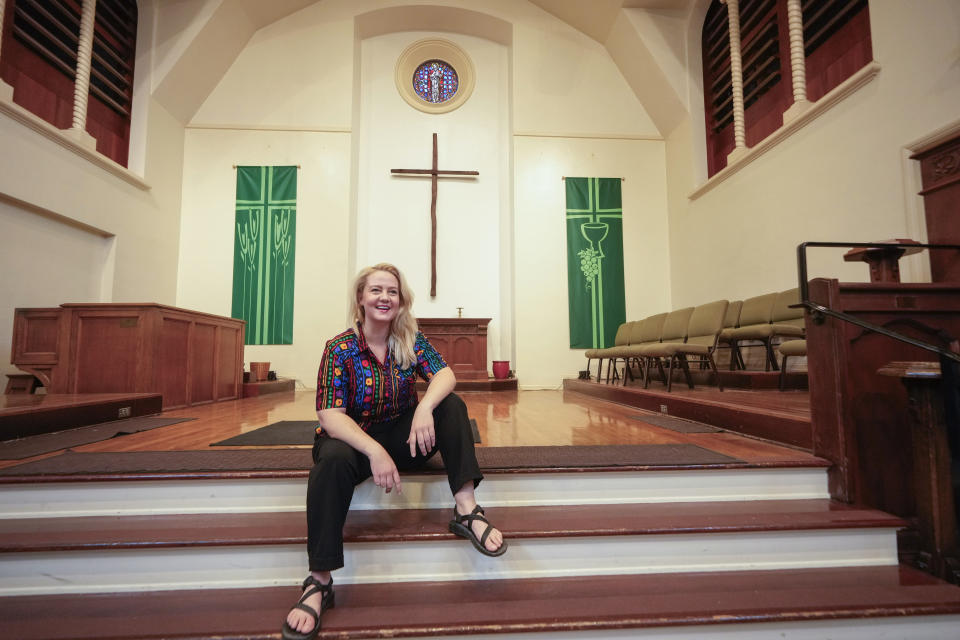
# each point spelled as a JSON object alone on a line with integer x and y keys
{"x": 403, "y": 328}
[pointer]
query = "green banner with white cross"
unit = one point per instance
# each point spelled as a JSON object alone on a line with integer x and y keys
{"x": 264, "y": 249}
{"x": 594, "y": 261}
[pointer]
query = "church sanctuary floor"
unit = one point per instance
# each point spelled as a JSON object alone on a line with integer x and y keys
{"x": 518, "y": 418}
{"x": 745, "y": 544}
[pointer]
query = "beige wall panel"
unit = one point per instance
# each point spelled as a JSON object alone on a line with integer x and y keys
{"x": 544, "y": 356}
{"x": 206, "y": 243}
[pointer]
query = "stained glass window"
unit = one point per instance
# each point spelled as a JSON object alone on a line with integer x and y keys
{"x": 435, "y": 81}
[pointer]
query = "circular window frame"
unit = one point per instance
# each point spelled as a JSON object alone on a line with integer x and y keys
{"x": 434, "y": 49}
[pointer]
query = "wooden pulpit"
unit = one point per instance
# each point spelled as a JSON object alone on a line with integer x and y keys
{"x": 189, "y": 357}
{"x": 861, "y": 418}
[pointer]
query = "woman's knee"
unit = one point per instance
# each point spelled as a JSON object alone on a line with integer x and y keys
{"x": 333, "y": 457}
{"x": 452, "y": 405}
{"x": 451, "y": 416}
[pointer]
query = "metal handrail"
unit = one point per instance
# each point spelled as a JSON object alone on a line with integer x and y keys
{"x": 818, "y": 311}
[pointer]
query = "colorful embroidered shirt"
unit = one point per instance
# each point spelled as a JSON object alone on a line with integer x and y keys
{"x": 352, "y": 378}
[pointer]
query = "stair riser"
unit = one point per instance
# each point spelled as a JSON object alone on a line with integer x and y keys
{"x": 891, "y": 628}
{"x": 101, "y": 571}
{"x": 420, "y": 492}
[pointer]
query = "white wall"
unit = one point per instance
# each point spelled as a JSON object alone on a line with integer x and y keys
{"x": 70, "y": 268}
{"x": 39, "y": 174}
{"x": 292, "y": 95}
{"x": 393, "y": 212}
{"x": 840, "y": 178}
{"x": 207, "y": 233}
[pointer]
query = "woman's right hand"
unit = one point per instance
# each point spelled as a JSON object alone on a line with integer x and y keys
{"x": 384, "y": 470}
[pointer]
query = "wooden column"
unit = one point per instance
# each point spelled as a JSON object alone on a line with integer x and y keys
{"x": 81, "y": 84}
{"x": 798, "y": 62}
{"x": 932, "y": 460}
{"x": 736, "y": 80}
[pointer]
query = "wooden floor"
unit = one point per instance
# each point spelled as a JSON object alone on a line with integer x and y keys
{"x": 521, "y": 418}
{"x": 764, "y": 413}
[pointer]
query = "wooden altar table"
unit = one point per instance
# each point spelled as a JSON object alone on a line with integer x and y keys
{"x": 462, "y": 342}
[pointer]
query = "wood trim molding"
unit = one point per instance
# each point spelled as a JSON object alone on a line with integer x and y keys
{"x": 300, "y": 128}
{"x": 588, "y": 135}
{"x": 821, "y": 106}
{"x": 18, "y": 114}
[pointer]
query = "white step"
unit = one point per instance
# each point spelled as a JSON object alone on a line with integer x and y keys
{"x": 150, "y": 497}
{"x": 108, "y": 570}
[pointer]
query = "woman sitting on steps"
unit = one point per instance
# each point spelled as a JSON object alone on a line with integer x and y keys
{"x": 371, "y": 424}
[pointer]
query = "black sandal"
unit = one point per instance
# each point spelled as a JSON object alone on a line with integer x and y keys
{"x": 461, "y": 525}
{"x": 326, "y": 602}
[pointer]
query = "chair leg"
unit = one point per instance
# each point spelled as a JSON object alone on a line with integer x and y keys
{"x": 713, "y": 366}
{"x": 663, "y": 375}
{"x": 682, "y": 359}
{"x": 771, "y": 358}
{"x": 736, "y": 358}
{"x": 783, "y": 373}
{"x": 627, "y": 371}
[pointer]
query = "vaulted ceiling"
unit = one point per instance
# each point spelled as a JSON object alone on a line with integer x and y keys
{"x": 198, "y": 41}
{"x": 596, "y": 17}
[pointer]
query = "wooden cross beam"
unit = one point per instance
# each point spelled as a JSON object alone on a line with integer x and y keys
{"x": 434, "y": 174}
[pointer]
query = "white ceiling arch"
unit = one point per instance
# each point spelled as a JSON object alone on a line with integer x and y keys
{"x": 193, "y": 65}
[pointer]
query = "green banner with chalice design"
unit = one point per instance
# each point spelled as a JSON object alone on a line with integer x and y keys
{"x": 594, "y": 261}
{"x": 264, "y": 248}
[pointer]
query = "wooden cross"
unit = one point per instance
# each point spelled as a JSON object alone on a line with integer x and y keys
{"x": 434, "y": 174}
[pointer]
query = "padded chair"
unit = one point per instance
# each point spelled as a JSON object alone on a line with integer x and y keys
{"x": 731, "y": 320}
{"x": 784, "y": 322}
{"x": 644, "y": 333}
{"x": 789, "y": 349}
{"x": 674, "y": 330}
{"x": 703, "y": 328}
{"x": 622, "y": 339}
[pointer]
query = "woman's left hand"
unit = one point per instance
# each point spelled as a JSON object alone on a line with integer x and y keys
{"x": 422, "y": 434}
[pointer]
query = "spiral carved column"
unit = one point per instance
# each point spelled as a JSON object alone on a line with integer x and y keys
{"x": 736, "y": 76}
{"x": 6, "y": 91}
{"x": 81, "y": 87}
{"x": 2, "y": 7}
{"x": 798, "y": 62}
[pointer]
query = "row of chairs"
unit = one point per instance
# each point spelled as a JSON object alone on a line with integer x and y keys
{"x": 674, "y": 338}
{"x": 762, "y": 319}
{"x": 666, "y": 338}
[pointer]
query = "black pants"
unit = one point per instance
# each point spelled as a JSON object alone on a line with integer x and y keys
{"x": 338, "y": 468}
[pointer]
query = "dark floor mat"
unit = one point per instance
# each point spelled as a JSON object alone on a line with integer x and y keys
{"x": 73, "y": 463}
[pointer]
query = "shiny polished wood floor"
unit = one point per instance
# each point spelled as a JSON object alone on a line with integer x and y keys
{"x": 520, "y": 418}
